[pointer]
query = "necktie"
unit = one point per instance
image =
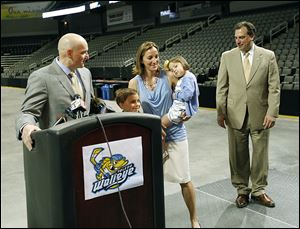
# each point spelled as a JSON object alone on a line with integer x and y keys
{"x": 75, "y": 84}
{"x": 247, "y": 67}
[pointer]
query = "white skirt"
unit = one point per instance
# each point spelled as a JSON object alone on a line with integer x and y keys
{"x": 176, "y": 166}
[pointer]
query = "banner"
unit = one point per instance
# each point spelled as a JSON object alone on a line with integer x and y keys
{"x": 23, "y": 10}
{"x": 119, "y": 15}
{"x": 105, "y": 173}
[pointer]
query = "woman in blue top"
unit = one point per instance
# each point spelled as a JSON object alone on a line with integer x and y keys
{"x": 154, "y": 88}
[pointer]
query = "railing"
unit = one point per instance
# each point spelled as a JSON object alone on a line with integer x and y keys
{"x": 32, "y": 66}
{"x": 296, "y": 18}
{"x": 93, "y": 54}
{"x": 10, "y": 60}
{"x": 173, "y": 39}
{"x": 277, "y": 29}
{"x": 128, "y": 62}
{"x": 259, "y": 41}
{"x": 110, "y": 46}
{"x": 47, "y": 58}
{"x": 146, "y": 27}
{"x": 194, "y": 28}
{"x": 128, "y": 36}
{"x": 211, "y": 19}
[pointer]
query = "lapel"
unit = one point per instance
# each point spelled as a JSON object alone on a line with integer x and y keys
{"x": 238, "y": 59}
{"x": 63, "y": 78}
{"x": 257, "y": 57}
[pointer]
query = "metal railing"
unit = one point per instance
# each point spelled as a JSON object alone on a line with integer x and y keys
{"x": 277, "y": 29}
{"x": 173, "y": 39}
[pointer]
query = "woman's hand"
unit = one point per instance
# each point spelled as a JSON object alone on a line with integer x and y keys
{"x": 185, "y": 118}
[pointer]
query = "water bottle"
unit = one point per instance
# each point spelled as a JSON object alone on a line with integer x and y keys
{"x": 105, "y": 91}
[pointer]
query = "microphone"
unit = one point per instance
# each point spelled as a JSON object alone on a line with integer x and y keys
{"x": 98, "y": 106}
{"x": 77, "y": 107}
{"x": 70, "y": 113}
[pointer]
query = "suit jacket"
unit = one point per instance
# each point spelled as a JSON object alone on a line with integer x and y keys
{"x": 48, "y": 94}
{"x": 260, "y": 96}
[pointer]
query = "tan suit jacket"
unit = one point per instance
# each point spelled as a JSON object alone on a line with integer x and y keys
{"x": 48, "y": 94}
{"x": 260, "y": 96}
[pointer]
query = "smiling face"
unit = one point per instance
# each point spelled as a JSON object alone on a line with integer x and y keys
{"x": 80, "y": 55}
{"x": 242, "y": 39}
{"x": 73, "y": 51}
{"x": 131, "y": 104}
{"x": 151, "y": 60}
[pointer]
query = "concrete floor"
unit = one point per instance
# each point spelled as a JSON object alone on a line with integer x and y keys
{"x": 209, "y": 169}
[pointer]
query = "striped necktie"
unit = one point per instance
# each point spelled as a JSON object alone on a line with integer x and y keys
{"x": 76, "y": 85}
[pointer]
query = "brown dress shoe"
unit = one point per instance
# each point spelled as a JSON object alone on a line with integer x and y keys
{"x": 242, "y": 200}
{"x": 264, "y": 199}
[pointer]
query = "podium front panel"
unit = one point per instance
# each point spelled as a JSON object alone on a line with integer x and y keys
{"x": 54, "y": 175}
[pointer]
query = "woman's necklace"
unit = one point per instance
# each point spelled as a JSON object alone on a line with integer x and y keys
{"x": 151, "y": 84}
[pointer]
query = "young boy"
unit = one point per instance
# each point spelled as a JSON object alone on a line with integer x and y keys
{"x": 186, "y": 92}
{"x": 128, "y": 100}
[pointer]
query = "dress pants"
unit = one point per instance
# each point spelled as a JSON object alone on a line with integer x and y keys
{"x": 239, "y": 158}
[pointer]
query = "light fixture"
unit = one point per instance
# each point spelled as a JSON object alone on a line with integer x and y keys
{"x": 56, "y": 13}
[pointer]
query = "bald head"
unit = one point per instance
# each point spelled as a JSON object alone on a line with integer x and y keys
{"x": 70, "y": 41}
{"x": 73, "y": 50}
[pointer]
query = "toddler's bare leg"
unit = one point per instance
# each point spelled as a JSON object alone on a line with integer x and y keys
{"x": 165, "y": 122}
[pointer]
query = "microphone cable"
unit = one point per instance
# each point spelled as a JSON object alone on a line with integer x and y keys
{"x": 119, "y": 192}
{"x": 61, "y": 118}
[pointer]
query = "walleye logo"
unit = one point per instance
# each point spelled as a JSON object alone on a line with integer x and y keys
{"x": 111, "y": 172}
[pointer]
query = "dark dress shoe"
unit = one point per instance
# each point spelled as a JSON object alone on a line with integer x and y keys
{"x": 264, "y": 199}
{"x": 242, "y": 200}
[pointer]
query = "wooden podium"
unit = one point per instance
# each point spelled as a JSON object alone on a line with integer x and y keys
{"x": 54, "y": 175}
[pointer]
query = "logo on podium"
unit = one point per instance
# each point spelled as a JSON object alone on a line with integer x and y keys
{"x": 105, "y": 172}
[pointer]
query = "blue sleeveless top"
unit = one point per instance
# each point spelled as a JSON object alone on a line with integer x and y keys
{"x": 158, "y": 102}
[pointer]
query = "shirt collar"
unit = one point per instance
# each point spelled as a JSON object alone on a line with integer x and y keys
{"x": 251, "y": 52}
{"x": 62, "y": 66}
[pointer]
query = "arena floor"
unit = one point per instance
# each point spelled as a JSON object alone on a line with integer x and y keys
{"x": 209, "y": 169}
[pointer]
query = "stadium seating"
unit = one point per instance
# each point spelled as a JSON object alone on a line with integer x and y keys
{"x": 201, "y": 42}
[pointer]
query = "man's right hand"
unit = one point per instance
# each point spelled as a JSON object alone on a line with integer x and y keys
{"x": 221, "y": 121}
{"x": 26, "y": 135}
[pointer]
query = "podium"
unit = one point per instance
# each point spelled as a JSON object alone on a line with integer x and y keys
{"x": 54, "y": 175}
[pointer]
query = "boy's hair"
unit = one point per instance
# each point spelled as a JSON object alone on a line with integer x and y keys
{"x": 176, "y": 59}
{"x": 123, "y": 93}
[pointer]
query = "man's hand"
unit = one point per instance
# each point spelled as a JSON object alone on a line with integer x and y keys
{"x": 221, "y": 121}
{"x": 26, "y": 135}
{"x": 269, "y": 121}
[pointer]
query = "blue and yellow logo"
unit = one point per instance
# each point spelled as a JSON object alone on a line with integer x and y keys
{"x": 111, "y": 172}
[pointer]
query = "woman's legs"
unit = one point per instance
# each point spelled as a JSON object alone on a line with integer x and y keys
{"x": 177, "y": 170}
{"x": 189, "y": 197}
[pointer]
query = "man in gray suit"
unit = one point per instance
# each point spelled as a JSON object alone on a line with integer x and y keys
{"x": 248, "y": 103}
{"x": 50, "y": 91}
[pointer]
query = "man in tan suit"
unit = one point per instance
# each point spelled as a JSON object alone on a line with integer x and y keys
{"x": 50, "y": 90}
{"x": 247, "y": 98}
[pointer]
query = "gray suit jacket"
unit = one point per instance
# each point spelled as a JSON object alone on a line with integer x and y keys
{"x": 48, "y": 94}
{"x": 260, "y": 96}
